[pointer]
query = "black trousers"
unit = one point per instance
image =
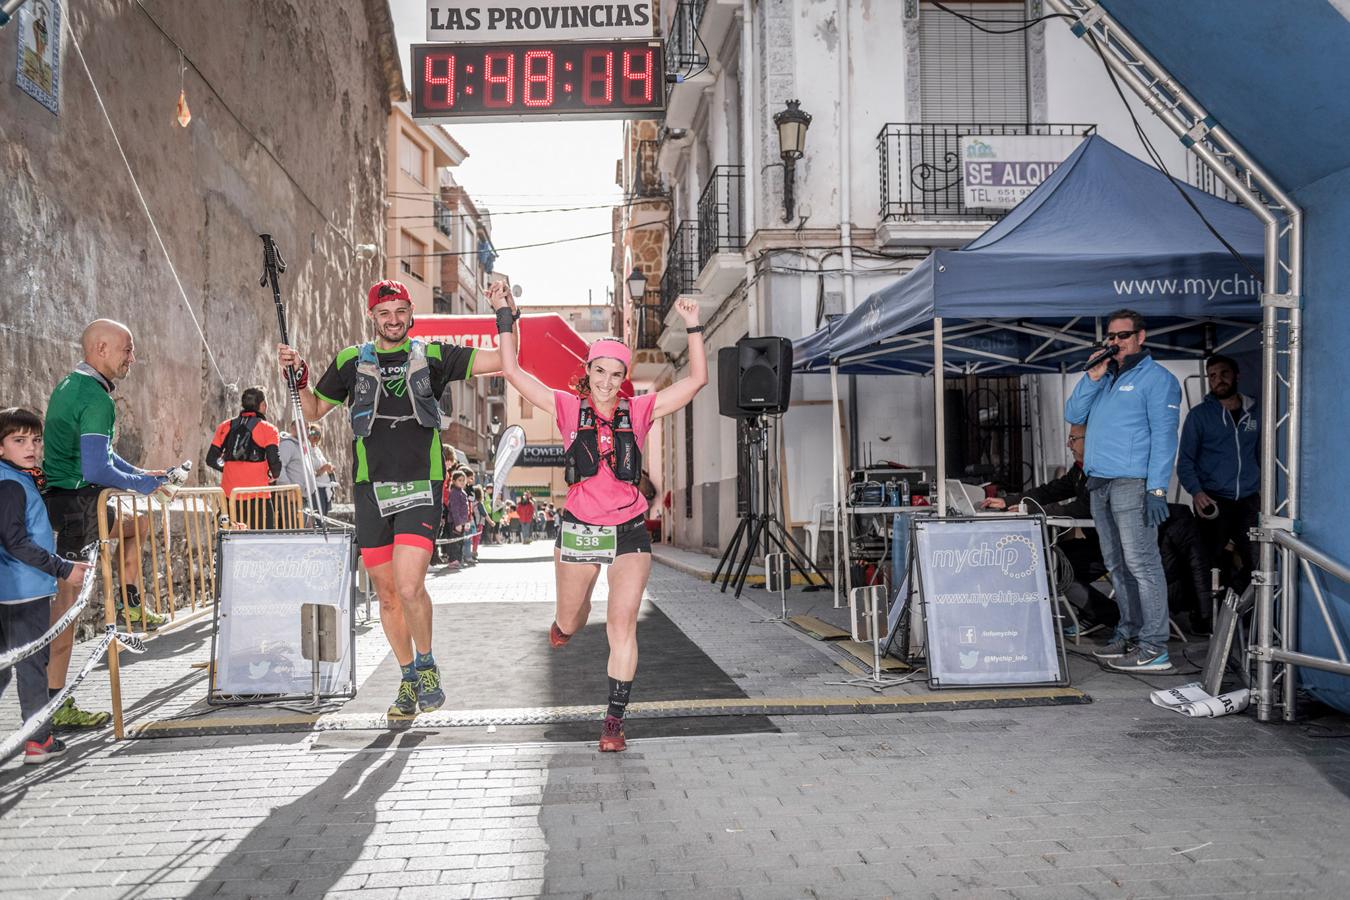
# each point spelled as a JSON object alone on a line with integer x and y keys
{"x": 1234, "y": 519}
{"x": 21, "y": 624}
{"x": 1085, "y": 556}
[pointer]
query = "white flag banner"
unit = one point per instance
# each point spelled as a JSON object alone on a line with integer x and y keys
{"x": 509, "y": 447}
{"x": 1192, "y": 700}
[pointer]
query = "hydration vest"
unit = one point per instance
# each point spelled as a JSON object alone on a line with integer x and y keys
{"x": 584, "y": 457}
{"x": 20, "y": 581}
{"x": 416, "y": 375}
{"x": 238, "y": 445}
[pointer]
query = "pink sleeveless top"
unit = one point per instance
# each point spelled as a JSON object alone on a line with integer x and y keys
{"x": 603, "y": 499}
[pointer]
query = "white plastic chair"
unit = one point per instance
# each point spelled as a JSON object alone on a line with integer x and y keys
{"x": 822, "y": 516}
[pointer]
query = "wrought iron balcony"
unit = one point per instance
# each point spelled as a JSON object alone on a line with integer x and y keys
{"x": 682, "y": 265}
{"x": 721, "y": 219}
{"x": 685, "y": 54}
{"x": 648, "y": 320}
{"x": 644, "y": 179}
{"x": 920, "y": 167}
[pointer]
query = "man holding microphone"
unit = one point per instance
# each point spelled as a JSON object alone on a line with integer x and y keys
{"x": 1131, "y": 405}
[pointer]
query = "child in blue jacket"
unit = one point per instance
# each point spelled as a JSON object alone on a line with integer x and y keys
{"x": 28, "y": 570}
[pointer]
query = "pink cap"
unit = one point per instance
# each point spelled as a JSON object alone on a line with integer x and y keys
{"x": 610, "y": 349}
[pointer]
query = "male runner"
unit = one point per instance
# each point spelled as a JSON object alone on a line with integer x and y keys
{"x": 392, "y": 388}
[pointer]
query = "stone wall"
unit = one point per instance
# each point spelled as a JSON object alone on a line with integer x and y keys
{"x": 289, "y": 100}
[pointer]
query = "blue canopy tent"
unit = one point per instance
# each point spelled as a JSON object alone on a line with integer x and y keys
{"x": 1104, "y": 231}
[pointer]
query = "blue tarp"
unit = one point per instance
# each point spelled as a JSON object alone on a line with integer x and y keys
{"x": 1104, "y": 231}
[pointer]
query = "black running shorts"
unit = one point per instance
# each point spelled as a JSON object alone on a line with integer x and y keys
{"x": 632, "y": 535}
{"x": 376, "y": 535}
{"x": 74, "y": 518}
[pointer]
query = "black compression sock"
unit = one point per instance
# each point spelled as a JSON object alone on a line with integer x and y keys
{"x": 618, "y": 697}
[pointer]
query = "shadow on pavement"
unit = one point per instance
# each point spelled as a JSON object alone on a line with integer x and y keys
{"x": 320, "y": 833}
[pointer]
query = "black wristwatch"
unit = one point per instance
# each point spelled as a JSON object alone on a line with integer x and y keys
{"x": 695, "y": 329}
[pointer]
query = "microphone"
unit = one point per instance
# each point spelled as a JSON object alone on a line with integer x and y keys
{"x": 1106, "y": 353}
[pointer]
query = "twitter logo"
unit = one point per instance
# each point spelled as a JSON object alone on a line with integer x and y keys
{"x": 970, "y": 659}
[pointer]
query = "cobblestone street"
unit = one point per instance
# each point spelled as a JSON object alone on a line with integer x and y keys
{"x": 1112, "y": 799}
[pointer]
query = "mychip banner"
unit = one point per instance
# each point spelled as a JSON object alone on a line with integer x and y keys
{"x": 987, "y": 601}
{"x": 265, "y": 580}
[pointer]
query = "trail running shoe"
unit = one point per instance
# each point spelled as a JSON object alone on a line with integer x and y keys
{"x": 1143, "y": 659}
{"x": 35, "y": 752}
{"x": 152, "y": 619}
{"x": 611, "y": 736}
{"x": 69, "y": 717}
{"x": 405, "y": 704}
{"x": 556, "y": 636}
{"x": 430, "y": 697}
{"x": 1116, "y": 649}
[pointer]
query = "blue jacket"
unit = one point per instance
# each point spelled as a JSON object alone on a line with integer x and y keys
{"x": 34, "y": 541}
{"x": 1131, "y": 415}
{"x": 1220, "y": 451}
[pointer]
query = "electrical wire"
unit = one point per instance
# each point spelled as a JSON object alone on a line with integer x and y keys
{"x": 520, "y": 212}
{"x": 500, "y": 250}
{"x": 145, "y": 207}
{"x": 240, "y": 122}
{"x": 1158, "y": 161}
{"x": 1022, "y": 24}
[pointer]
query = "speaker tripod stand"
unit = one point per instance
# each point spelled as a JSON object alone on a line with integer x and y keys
{"x": 759, "y": 527}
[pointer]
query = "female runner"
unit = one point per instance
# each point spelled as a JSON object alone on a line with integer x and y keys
{"x": 604, "y": 519}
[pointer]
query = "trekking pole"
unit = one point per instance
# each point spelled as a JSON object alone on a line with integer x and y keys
{"x": 273, "y": 265}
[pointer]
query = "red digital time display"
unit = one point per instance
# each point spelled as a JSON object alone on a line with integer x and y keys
{"x": 601, "y": 79}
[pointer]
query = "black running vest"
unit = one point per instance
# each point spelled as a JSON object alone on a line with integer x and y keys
{"x": 583, "y": 456}
{"x": 239, "y": 445}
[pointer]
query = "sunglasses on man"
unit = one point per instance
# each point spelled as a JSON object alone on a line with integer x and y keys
{"x": 1120, "y": 335}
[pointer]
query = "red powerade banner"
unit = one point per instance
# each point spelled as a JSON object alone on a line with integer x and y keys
{"x": 550, "y": 349}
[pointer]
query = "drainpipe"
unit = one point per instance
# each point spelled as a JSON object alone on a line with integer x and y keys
{"x": 749, "y": 158}
{"x": 846, "y": 204}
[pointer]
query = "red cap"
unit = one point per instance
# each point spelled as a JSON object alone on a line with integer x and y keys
{"x": 384, "y": 291}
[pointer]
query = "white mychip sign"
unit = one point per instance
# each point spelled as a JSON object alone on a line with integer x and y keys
{"x": 999, "y": 170}
{"x": 485, "y": 21}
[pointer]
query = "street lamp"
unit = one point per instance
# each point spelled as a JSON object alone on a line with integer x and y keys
{"x": 637, "y": 285}
{"x": 792, "y": 124}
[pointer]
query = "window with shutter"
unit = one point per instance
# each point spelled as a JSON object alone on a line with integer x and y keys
{"x": 967, "y": 75}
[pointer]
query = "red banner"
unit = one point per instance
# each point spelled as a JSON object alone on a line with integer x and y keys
{"x": 550, "y": 349}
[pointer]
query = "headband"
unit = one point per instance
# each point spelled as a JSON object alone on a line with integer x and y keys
{"x": 610, "y": 349}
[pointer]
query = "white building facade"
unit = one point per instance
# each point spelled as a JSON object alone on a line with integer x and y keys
{"x": 890, "y": 86}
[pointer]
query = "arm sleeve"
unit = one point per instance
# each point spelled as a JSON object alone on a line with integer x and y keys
{"x": 1187, "y": 453}
{"x": 123, "y": 466}
{"x": 16, "y": 540}
{"x": 1164, "y": 412}
{"x": 1080, "y": 402}
{"x": 98, "y": 466}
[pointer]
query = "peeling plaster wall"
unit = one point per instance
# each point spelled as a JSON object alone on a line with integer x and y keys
{"x": 303, "y": 75}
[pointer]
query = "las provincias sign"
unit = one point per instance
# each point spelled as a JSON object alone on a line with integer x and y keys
{"x": 485, "y": 21}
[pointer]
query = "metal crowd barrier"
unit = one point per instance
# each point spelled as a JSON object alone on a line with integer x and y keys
{"x": 273, "y": 507}
{"x": 139, "y": 522}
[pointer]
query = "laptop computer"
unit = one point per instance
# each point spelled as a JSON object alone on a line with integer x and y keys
{"x": 964, "y": 499}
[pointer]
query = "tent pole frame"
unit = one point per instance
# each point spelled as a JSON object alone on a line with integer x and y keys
{"x": 939, "y": 420}
{"x": 1276, "y": 577}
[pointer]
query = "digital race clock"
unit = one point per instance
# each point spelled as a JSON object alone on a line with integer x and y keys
{"x": 561, "y": 79}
